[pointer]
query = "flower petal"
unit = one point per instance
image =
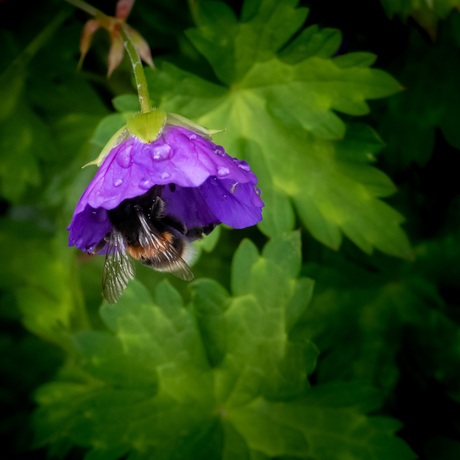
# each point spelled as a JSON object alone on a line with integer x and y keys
{"x": 116, "y": 51}
{"x": 205, "y": 185}
{"x": 88, "y": 228}
{"x": 141, "y": 45}
{"x": 194, "y": 159}
{"x": 123, "y": 9}
{"x": 189, "y": 206}
{"x": 86, "y": 37}
{"x": 234, "y": 204}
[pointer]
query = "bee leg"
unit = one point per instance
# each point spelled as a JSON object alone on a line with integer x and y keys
{"x": 99, "y": 246}
{"x": 196, "y": 233}
{"x": 174, "y": 223}
{"x": 157, "y": 210}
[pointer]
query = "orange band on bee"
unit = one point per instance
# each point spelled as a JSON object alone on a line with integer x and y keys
{"x": 139, "y": 252}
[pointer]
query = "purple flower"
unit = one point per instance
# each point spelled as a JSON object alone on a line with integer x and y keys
{"x": 200, "y": 185}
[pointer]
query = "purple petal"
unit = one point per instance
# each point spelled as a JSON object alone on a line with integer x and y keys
{"x": 189, "y": 206}
{"x": 88, "y": 228}
{"x": 234, "y": 204}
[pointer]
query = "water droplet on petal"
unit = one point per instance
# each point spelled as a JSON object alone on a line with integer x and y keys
{"x": 192, "y": 136}
{"x": 164, "y": 175}
{"x": 233, "y": 187}
{"x": 161, "y": 152}
{"x": 225, "y": 197}
{"x": 124, "y": 157}
{"x": 117, "y": 182}
{"x": 145, "y": 184}
{"x": 222, "y": 171}
{"x": 214, "y": 180}
{"x": 257, "y": 190}
{"x": 244, "y": 166}
{"x": 219, "y": 151}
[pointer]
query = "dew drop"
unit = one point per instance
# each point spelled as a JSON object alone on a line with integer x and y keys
{"x": 222, "y": 171}
{"x": 118, "y": 182}
{"x": 214, "y": 180}
{"x": 219, "y": 151}
{"x": 257, "y": 190}
{"x": 244, "y": 166}
{"x": 192, "y": 136}
{"x": 145, "y": 184}
{"x": 233, "y": 187}
{"x": 164, "y": 175}
{"x": 161, "y": 152}
{"x": 124, "y": 158}
{"x": 224, "y": 197}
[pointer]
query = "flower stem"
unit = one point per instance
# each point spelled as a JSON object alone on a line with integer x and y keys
{"x": 86, "y": 7}
{"x": 193, "y": 7}
{"x": 138, "y": 70}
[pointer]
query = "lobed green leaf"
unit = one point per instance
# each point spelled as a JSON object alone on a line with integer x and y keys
{"x": 279, "y": 111}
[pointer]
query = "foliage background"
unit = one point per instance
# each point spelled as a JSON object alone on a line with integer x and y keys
{"x": 334, "y": 332}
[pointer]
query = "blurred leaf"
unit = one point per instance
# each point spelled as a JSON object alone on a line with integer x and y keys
{"x": 424, "y": 106}
{"x": 426, "y": 13}
{"x": 126, "y": 103}
{"x": 219, "y": 379}
{"x": 363, "y": 321}
{"x": 40, "y": 273}
{"x": 442, "y": 448}
{"x": 18, "y": 166}
{"x": 283, "y": 109}
{"x": 294, "y": 429}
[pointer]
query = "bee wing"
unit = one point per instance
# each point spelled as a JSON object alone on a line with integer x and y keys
{"x": 118, "y": 268}
{"x": 165, "y": 256}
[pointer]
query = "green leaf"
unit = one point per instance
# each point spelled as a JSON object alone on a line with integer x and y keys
{"x": 11, "y": 87}
{"x": 18, "y": 166}
{"x": 45, "y": 290}
{"x": 312, "y": 41}
{"x": 126, "y": 103}
{"x": 147, "y": 376}
{"x": 322, "y": 85}
{"x": 280, "y": 217}
{"x": 324, "y": 431}
{"x": 279, "y": 112}
{"x": 268, "y": 23}
{"x": 221, "y": 377}
{"x": 210, "y": 301}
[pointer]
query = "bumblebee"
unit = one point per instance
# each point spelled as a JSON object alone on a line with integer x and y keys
{"x": 142, "y": 230}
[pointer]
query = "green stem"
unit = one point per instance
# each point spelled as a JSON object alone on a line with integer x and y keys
{"x": 86, "y": 7}
{"x": 193, "y": 8}
{"x": 138, "y": 70}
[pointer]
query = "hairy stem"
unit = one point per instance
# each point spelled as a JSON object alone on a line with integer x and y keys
{"x": 138, "y": 70}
